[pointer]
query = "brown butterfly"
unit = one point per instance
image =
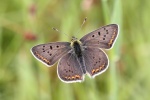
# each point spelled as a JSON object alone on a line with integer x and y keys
{"x": 78, "y": 57}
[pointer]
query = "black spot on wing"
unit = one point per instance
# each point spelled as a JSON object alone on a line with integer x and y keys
{"x": 43, "y": 49}
{"x": 51, "y": 47}
{"x": 106, "y": 31}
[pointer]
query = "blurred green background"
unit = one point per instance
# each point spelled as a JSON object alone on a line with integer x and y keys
{"x": 26, "y": 23}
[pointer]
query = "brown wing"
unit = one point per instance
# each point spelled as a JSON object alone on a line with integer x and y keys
{"x": 104, "y": 37}
{"x": 51, "y": 52}
{"x": 69, "y": 69}
{"x": 96, "y": 61}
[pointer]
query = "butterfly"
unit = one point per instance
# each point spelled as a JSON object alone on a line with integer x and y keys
{"x": 80, "y": 56}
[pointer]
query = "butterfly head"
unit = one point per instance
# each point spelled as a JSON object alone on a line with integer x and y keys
{"x": 73, "y": 40}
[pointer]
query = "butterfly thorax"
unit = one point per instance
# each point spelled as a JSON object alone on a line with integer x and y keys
{"x": 76, "y": 45}
{"x": 77, "y": 49}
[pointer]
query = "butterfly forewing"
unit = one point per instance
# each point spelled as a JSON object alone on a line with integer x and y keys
{"x": 103, "y": 37}
{"x": 69, "y": 69}
{"x": 96, "y": 61}
{"x": 51, "y": 52}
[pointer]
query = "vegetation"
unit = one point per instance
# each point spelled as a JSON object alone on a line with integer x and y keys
{"x": 25, "y": 23}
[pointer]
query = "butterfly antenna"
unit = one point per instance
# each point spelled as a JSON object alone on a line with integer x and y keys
{"x": 82, "y": 24}
{"x": 59, "y": 31}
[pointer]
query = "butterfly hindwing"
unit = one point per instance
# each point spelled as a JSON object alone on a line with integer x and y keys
{"x": 69, "y": 69}
{"x": 96, "y": 61}
{"x": 104, "y": 37}
{"x": 51, "y": 52}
